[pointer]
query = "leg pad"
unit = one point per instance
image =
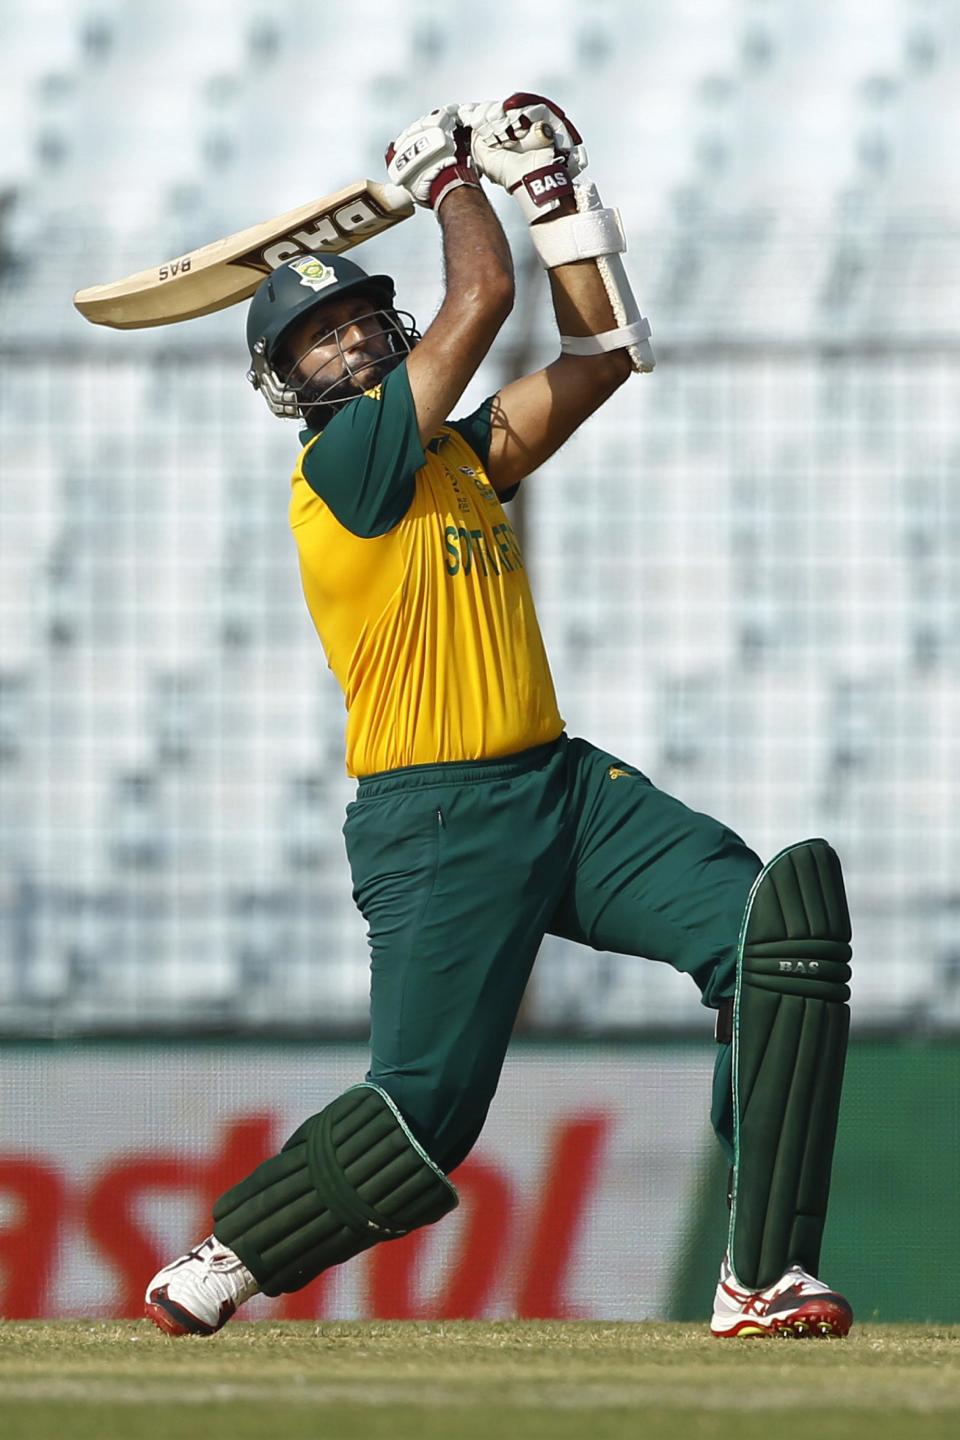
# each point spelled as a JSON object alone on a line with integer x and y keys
{"x": 790, "y": 1025}
{"x": 348, "y": 1177}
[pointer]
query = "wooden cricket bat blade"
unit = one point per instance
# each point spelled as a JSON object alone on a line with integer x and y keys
{"x": 229, "y": 270}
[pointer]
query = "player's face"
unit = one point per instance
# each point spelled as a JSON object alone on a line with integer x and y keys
{"x": 337, "y": 350}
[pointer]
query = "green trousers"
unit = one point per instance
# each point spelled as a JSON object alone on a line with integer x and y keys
{"x": 461, "y": 869}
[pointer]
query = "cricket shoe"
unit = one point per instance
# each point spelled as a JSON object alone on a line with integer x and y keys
{"x": 798, "y": 1305}
{"x": 198, "y": 1293}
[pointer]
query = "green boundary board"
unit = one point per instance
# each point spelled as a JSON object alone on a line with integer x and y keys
{"x": 895, "y": 1200}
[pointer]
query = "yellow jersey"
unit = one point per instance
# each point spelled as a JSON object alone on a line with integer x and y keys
{"x": 416, "y": 585}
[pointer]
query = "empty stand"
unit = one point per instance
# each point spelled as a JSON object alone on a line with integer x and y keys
{"x": 747, "y": 567}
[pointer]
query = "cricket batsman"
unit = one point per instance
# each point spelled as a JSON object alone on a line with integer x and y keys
{"x": 479, "y": 825}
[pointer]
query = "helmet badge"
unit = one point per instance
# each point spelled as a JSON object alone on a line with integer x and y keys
{"x": 314, "y": 274}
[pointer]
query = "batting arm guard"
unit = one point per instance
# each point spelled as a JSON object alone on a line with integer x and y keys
{"x": 790, "y": 1025}
{"x": 350, "y": 1176}
{"x": 596, "y": 233}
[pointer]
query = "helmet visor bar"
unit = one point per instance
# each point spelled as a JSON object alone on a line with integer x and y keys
{"x": 330, "y": 372}
{"x": 323, "y": 374}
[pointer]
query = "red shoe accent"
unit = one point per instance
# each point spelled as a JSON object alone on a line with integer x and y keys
{"x": 175, "y": 1320}
{"x": 827, "y": 1318}
{"x": 163, "y": 1321}
{"x": 821, "y": 1318}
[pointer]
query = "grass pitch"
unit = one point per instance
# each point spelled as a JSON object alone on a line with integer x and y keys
{"x": 473, "y": 1381}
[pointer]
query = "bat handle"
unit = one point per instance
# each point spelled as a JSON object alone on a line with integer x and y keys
{"x": 394, "y": 197}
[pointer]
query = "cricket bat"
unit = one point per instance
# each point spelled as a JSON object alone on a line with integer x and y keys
{"x": 229, "y": 270}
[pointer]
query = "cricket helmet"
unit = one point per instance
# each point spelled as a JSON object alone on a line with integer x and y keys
{"x": 291, "y": 291}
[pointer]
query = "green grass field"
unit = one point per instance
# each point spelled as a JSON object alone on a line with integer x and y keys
{"x": 503, "y": 1381}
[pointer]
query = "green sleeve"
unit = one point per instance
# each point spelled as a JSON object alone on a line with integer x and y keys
{"x": 475, "y": 429}
{"x": 364, "y": 464}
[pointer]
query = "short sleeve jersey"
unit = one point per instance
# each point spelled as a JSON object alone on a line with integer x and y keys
{"x": 415, "y": 582}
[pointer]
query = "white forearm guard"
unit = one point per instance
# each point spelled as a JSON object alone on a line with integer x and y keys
{"x": 595, "y": 233}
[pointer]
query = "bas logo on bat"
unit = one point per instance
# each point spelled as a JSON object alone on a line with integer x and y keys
{"x": 174, "y": 267}
{"x": 327, "y": 233}
{"x": 229, "y": 270}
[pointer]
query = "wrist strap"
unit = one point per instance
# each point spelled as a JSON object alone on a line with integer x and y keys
{"x": 451, "y": 177}
{"x": 539, "y": 191}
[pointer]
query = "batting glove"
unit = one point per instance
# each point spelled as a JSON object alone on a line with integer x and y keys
{"x": 529, "y": 146}
{"x": 432, "y": 157}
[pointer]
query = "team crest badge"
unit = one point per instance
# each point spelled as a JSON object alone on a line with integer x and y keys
{"x": 314, "y": 273}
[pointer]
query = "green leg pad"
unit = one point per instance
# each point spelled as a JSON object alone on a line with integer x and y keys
{"x": 350, "y": 1176}
{"x": 790, "y": 1024}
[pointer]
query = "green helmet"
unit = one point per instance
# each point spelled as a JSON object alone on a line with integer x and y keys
{"x": 291, "y": 291}
{"x": 299, "y": 286}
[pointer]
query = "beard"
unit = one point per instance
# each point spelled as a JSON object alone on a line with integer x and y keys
{"x": 319, "y": 403}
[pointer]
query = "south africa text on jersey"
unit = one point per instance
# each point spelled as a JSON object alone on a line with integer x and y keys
{"x": 470, "y": 551}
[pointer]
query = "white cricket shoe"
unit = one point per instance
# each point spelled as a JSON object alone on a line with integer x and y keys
{"x": 797, "y": 1305}
{"x": 198, "y": 1293}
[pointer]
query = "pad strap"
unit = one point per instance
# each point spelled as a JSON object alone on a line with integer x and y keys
{"x": 348, "y": 1177}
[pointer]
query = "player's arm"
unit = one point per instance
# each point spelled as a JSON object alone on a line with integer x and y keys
{"x": 478, "y": 297}
{"x": 532, "y": 417}
{"x": 530, "y": 147}
{"x": 431, "y": 159}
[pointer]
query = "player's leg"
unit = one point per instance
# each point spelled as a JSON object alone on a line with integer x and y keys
{"x": 428, "y": 852}
{"x": 449, "y": 972}
{"x": 787, "y": 1030}
{"x": 351, "y": 1175}
{"x": 654, "y": 878}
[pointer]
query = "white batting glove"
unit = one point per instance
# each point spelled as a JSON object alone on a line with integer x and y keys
{"x": 432, "y": 157}
{"x": 529, "y": 146}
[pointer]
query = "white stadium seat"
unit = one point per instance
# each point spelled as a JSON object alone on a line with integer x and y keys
{"x": 746, "y": 568}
